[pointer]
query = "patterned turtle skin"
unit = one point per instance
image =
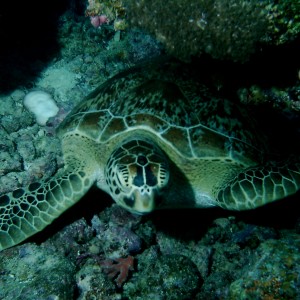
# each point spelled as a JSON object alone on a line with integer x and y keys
{"x": 153, "y": 138}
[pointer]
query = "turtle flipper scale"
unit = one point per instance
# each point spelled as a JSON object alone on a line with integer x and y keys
{"x": 24, "y": 212}
{"x": 260, "y": 185}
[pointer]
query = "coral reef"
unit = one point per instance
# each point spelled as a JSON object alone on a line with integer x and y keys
{"x": 110, "y": 11}
{"x": 27, "y": 154}
{"x": 163, "y": 277}
{"x": 231, "y": 260}
{"x": 279, "y": 98}
{"x": 223, "y": 29}
{"x": 29, "y": 271}
{"x": 264, "y": 279}
{"x": 283, "y": 20}
{"x": 92, "y": 283}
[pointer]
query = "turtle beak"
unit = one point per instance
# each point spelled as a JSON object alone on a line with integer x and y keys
{"x": 144, "y": 202}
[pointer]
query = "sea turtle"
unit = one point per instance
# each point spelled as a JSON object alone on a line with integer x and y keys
{"x": 153, "y": 138}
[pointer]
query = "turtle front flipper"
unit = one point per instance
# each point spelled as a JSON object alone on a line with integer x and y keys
{"x": 24, "y": 212}
{"x": 260, "y": 185}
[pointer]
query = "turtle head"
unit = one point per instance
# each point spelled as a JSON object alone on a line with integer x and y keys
{"x": 136, "y": 173}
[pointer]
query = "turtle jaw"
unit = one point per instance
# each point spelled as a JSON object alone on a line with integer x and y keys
{"x": 140, "y": 202}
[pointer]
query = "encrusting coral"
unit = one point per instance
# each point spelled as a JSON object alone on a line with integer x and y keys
{"x": 224, "y": 29}
{"x": 228, "y": 30}
{"x": 111, "y": 11}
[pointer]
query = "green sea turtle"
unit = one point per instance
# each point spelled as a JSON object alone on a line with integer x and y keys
{"x": 153, "y": 138}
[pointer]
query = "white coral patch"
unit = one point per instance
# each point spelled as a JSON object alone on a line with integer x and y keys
{"x": 41, "y": 105}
